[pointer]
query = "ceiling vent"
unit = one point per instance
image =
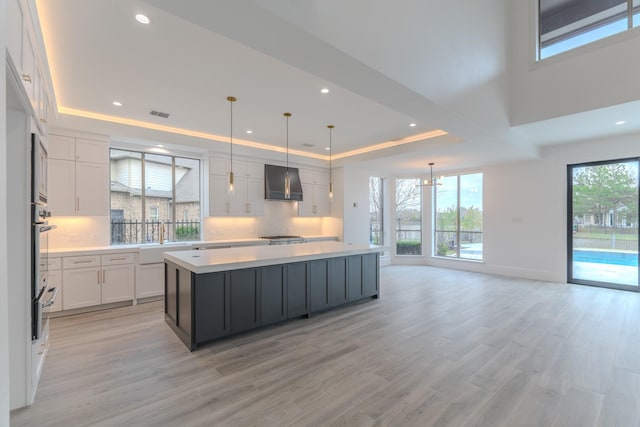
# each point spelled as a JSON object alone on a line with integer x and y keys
{"x": 159, "y": 114}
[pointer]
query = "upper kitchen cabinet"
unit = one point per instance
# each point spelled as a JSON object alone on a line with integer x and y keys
{"x": 315, "y": 190}
{"x": 78, "y": 176}
{"x": 248, "y": 183}
{"x": 26, "y": 53}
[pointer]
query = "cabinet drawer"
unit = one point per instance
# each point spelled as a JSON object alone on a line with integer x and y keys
{"x": 54, "y": 264}
{"x": 115, "y": 259}
{"x": 81, "y": 261}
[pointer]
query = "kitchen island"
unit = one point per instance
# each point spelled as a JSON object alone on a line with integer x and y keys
{"x": 214, "y": 293}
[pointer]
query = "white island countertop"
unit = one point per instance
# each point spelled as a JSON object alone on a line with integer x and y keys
{"x": 214, "y": 260}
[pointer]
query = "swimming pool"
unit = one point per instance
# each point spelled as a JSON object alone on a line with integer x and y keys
{"x": 605, "y": 257}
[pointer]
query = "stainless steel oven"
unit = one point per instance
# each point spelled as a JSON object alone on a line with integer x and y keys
{"x": 42, "y": 295}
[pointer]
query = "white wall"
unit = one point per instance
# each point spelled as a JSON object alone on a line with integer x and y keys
{"x": 525, "y": 210}
{"x": 594, "y": 76}
{"x": 280, "y": 218}
{"x": 4, "y": 282}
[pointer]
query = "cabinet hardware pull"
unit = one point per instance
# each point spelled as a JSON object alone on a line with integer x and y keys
{"x": 26, "y": 78}
{"x": 104, "y": 276}
{"x": 77, "y": 203}
{"x": 117, "y": 259}
{"x": 98, "y": 276}
{"x": 82, "y": 262}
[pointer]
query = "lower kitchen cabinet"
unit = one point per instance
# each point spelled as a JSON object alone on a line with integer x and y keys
{"x": 297, "y": 289}
{"x": 211, "y": 305}
{"x": 244, "y": 294}
{"x": 273, "y": 294}
{"x": 319, "y": 290}
{"x": 338, "y": 281}
{"x": 90, "y": 280}
{"x": 149, "y": 280}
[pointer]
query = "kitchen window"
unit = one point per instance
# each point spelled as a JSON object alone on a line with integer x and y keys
{"x": 458, "y": 217}
{"x": 146, "y": 192}
{"x": 566, "y": 24}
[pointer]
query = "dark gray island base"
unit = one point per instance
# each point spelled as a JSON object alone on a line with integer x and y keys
{"x": 204, "y": 307}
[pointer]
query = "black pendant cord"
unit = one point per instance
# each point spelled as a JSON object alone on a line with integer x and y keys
{"x": 287, "y": 144}
{"x": 231, "y": 137}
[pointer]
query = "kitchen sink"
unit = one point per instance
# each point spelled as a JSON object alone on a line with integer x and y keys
{"x": 151, "y": 254}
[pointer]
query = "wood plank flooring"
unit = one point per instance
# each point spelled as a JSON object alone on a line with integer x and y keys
{"x": 439, "y": 348}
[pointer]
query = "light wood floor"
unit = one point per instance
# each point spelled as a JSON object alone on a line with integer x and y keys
{"x": 439, "y": 348}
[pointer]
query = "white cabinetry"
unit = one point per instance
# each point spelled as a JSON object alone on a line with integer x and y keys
{"x": 26, "y": 52}
{"x": 97, "y": 279}
{"x": 149, "y": 280}
{"x": 315, "y": 190}
{"x": 78, "y": 176}
{"x": 248, "y": 182}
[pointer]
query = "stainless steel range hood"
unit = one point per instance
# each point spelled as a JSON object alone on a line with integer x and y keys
{"x": 274, "y": 183}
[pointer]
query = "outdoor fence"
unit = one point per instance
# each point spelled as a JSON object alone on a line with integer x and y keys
{"x": 135, "y": 231}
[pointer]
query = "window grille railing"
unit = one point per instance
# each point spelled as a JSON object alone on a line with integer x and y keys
{"x": 135, "y": 231}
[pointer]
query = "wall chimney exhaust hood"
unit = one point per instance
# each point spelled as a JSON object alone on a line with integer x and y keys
{"x": 274, "y": 183}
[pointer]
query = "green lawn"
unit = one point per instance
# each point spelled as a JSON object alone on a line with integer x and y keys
{"x": 584, "y": 234}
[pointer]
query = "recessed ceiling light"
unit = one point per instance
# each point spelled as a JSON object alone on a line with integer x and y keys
{"x": 327, "y": 148}
{"x": 620, "y": 122}
{"x": 117, "y": 103}
{"x": 160, "y": 146}
{"x": 143, "y": 19}
{"x": 412, "y": 125}
{"x": 249, "y": 131}
{"x": 324, "y": 90}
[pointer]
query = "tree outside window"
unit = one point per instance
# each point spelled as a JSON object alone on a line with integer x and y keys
{"x": 408, "y": 208}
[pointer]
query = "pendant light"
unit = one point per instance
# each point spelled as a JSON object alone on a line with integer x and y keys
{"x": 231, "y": 100}
{"x": 431, "y": 181}
{"x": 330, "y": 169}
{"x": 287, "y": 178}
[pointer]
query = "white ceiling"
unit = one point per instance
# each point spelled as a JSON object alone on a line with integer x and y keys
{"x": 387, "y": 64}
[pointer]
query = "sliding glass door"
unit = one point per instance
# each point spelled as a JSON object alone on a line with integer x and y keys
{"x": 603, "y": 224}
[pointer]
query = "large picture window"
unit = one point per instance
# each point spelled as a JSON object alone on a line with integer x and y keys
{"x": 567, "y": 24}
{"x": 146, "y": 192}
{"x": 408, "y": 216}
{"x": 458, "y": 217}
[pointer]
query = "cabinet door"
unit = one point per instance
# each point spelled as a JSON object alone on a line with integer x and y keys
{"x": 184, "y": 300}
{"x": 82, "y": 288}
{"x": 29, "y": 63}
{"x": 238, "y": 200}
{"x": 117, "y": 283}
{"x": 61, "y": 147}
{"x": 92, "y": 189}
{"x": 219, "y": 195}
{"x": 370, "y": 274}
{"x": 91, "y": 151}
{"x": 15, "y": 30}
{"x": 211, "y": 302}
{"x": 61, "y": 177}
{"x": 354, "y": 278}
{"x": 255, "y": 170}
{"x": 273, "y": 295}
{"x": 306, "y": 206}
{"x": 244, "y": 302}
{"x": 321, "y": 193}
{"x": 338, "y": 281}
{"x": 219, "y": 166}
{"x": 297, "y": 289}
{"x": 149, "y": 280}
{"x": 54, "y": 279}
{"x": 319, "y": 290}
{"x": 255, "y": 196}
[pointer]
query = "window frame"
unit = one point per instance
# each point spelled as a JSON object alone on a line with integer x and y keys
{"x": 631, "y": 10}
{"x": 420, "y": 206}
{"x": 171, "y": 233}
{"x": 458, "y": 231}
